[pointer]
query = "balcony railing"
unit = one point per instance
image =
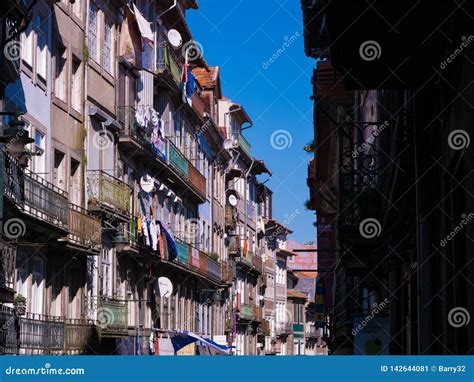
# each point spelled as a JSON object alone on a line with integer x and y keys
{"x": 112, "y": 318}
{"x": 250, "y": 260}
{"x": 245, "y": 311}
{"x": 197, "y": 260}
{"x": 177, "y": 159}
{"x": 7, "y": 264}
{"x": 265, "y": 328}
{"x": 250, "y": 312}
{"x": 126, "y": 115}
{"x": 257, "y": 314}
{"x": 284, "y": 328}
{"x": 38, "y": 197}
{"x": 84, "y": 227}
{"x": 244, "y": 144}
{"x": 230, "y": 216}
{"x": 312, "y": 331}
{"x": 167, "y": 62}
{"x": 182, "y": 165}
{"x": 40, "y": 334}
{"x": 227, "y": 273}
{"x": 107, "y": 192}
{"x": 13, "y": 188}
{"x": 257, "y": 263}
{"x": 198, "y": 105}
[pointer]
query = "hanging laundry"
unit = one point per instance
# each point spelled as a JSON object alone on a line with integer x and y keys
{"x": 139, "y": 225}
{"x": 153, "y": 236}
{"x": 140, "y": 117}
{"x": 190, "y": 84}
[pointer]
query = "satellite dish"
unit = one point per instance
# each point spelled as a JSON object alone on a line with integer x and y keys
{"x": 147, "y": 183}
{"x": 228, "y": 144}
{"x": 165, "y": 287}
{"x": 175, "y": 39}
{"x": 232, "y": 200}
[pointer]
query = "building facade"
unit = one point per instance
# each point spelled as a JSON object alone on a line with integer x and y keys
{"x": 391, "y": 187}
{"x": 135, "y": 211}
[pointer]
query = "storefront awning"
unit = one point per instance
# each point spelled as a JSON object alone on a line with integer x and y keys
{"x": 182, "y": 338}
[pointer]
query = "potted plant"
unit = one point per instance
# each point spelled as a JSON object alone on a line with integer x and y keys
{"x": 20, "y": 305}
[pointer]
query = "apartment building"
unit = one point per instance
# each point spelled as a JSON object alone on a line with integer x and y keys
{"x": 400, "y": 172}
{"x": 133, "y": 208}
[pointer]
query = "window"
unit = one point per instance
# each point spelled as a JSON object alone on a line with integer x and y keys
{"x": 92, "y": 32}
{"x": 41, "y": 26}
{"x": 108, "y": 48}
{"x": 76, "y": 90}
{"x": 39, "y": 161}
{"x": 61, "y": 73}
{"x": 27, "y": 45}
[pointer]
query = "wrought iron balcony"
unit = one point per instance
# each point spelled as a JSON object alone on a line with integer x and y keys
{"x": 45, "y": 201}
{"x": 84, "y": 228}
{"x": 113, "y": 317}
{"x": 265, "y": 328}
{"x": 40, "y": 334}
{"x": 198, "y": 261}
{"x": 227, "y": 273}
{"x": 245, "y": 312}
{"x": 250, "y": 312}
{"x": 283, "y": 329}
{"x": 136, "y": 135}
{"x": 35, "y": 196}
{"x": 199, "y": 106}
{"x": 185, "y": 168}
{"x": 7, "y": 271}
{"x": 360, "y": 170}
{"x": 106, "y": 192}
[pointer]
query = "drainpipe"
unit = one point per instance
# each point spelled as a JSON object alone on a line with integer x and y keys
{"x": 245, "y": 196}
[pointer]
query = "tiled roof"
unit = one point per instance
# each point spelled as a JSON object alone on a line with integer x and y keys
{"x": 206, "y": 78}
{"x": 296, "y": 294}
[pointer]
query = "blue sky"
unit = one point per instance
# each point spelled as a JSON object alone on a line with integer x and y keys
{"x": 241, "y": 36}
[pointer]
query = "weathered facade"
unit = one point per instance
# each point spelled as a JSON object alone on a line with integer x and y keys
{"x": 139, "y": 209}
{"x": 391, "y": 179}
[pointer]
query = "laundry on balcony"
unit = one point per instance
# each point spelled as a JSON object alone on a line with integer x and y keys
{"x": 150, "y": 128}
{"x": 167, "y": 244}
{"x": 143, "y": 26}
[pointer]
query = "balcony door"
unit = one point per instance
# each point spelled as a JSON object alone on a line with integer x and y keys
{"x": 75, "y": 183}
{"x": 37, "y": 285}
{"x": 59, "y": 172}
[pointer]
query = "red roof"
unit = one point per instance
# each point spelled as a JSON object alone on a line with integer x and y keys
{"x": 206, "y": 78}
